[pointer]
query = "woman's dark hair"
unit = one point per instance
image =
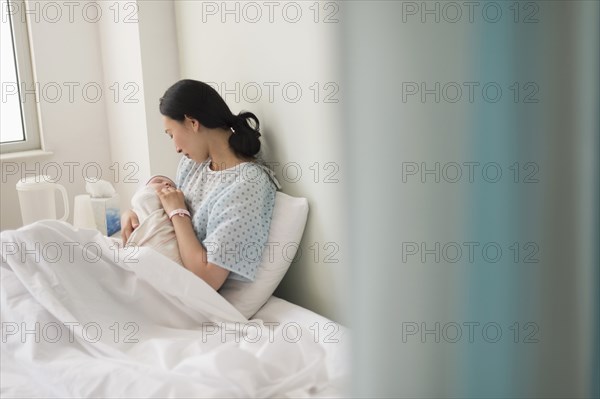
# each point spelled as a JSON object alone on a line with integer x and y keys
{"x": 200, "y": 101}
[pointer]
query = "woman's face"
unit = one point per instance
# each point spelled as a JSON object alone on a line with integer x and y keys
{"x": 187, "y": 138}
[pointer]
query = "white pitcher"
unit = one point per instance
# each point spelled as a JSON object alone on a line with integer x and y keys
{"x": 36, "y": 197}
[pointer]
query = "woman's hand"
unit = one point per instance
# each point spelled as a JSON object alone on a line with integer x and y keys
{"x": 171, "y": 199}
{"x": 129, "y": 222}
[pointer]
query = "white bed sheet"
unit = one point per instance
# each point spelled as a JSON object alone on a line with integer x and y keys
{"x": 334, "y": 338}
{"x": 163, "y": 331}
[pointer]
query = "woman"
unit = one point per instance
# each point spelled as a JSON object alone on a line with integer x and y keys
{"x": 230, "y": 195}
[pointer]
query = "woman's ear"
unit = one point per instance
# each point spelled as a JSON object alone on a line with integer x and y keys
{"x": 193, "y": 123}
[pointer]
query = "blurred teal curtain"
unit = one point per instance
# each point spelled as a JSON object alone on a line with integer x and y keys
{"x": 542, "y": 134}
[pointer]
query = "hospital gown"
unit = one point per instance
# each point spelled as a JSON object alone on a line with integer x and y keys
{"x": 231, "y": 212}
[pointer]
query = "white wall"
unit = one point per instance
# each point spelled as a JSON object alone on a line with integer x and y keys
{"x": 244, "y": 56}
{"x": 127, "y": 132}
{"x": 139, "y": 54}
{"x": 160, "y": 69}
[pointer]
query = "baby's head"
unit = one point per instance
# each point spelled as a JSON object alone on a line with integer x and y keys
{"x": 146, "y": 199}
{"x": 157, "y": 182}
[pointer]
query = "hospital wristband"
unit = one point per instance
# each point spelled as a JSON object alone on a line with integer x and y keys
{"x": 180, "y": 212}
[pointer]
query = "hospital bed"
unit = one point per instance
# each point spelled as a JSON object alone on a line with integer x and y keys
{"x": 83, "y": 318}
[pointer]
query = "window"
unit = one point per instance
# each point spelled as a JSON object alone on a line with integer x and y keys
{"x": 19, "y": 128}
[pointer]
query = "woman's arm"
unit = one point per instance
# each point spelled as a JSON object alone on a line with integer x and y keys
{"x": 193, "y": 254}
{"x": 191, "y": 250}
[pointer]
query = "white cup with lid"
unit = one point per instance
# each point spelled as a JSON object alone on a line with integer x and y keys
{"x": 36, "y": 198}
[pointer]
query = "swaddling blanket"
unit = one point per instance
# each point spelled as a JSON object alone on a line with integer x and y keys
{"x": 155, "y": 229}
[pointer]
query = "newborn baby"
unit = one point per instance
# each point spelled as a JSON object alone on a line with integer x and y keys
{"x": 155, "y": 229}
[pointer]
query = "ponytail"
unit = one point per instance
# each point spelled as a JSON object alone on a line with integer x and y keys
{"x": 244, "y": 139}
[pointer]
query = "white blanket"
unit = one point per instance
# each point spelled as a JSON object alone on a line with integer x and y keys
{"x": 82, "y": 318}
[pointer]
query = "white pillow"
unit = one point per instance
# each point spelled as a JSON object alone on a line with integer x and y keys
{"x": 287, "y": 226}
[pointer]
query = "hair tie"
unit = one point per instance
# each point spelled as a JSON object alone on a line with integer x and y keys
{"x": 234, "y": 123}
